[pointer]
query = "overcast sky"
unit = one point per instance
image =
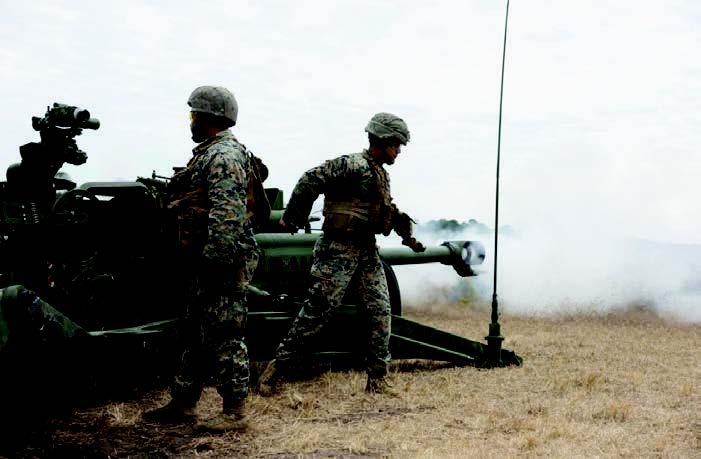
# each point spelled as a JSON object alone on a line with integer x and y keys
{"x": 602, "y": 102}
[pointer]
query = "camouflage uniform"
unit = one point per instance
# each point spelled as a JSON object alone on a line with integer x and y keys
{"x": 26, "y": 318}
{"x": 220, "y": 254}
{"x": 357, "y": 206}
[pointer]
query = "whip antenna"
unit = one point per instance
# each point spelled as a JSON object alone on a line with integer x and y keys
{"x": 494, "y": 339}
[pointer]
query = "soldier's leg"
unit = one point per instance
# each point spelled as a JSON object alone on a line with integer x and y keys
{"x": 332, "y": 270}
{"x": 188, "y": 383}
{"x": 231, "y": 366}
{"x": 225, "y": 331}
{"x": 230, "y": 370}
{"x": 189, "y": 380}
{"x": 374, "y": 297}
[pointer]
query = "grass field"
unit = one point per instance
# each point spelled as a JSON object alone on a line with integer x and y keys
{"x": 616, "y": 385}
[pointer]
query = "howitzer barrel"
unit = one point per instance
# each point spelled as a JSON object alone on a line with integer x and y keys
{"x": 276, "y": 215}
{"x": 404, "y": 256}
{"x": 459, "y": 254}
{"x": 274, "y": 240}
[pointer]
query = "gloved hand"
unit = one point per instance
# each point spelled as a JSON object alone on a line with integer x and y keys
{"x": 413, "y": 244}
{"x": 289, "y": 227}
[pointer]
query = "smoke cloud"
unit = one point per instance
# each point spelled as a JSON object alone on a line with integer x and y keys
{"x": 549, "y": 271}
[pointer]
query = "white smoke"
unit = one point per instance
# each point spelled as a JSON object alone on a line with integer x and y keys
{"x": 553, "y": 270}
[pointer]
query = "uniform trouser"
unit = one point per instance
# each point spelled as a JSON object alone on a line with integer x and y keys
{"x": 336, "y": 268}
{"x": 213, "y": 329}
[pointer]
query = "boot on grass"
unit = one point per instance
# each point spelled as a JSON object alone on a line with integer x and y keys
{"x": 380, "y": 385}
{"x": 171, "y": 413}
{"x": 269, "y": 380}
{"x": 233, "y": 418}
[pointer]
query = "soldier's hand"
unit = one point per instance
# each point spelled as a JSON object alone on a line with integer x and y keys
{"x": 413, "y": 244}
{"x": 292, "y": 229}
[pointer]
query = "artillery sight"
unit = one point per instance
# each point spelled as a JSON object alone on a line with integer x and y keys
{"x": 32, "y": 182}
{"x": 65, "y": 116}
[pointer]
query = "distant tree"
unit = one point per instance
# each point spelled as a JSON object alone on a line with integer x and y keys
{"x": 453, "y": 226}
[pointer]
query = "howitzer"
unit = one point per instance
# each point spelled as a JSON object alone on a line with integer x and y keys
{"x": 102, "y": 256}
{"x": 29, "y": 217}
{"x": 290, "y": 256}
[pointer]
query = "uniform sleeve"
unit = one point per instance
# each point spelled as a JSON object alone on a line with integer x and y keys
{"x": 394, "y": 212}
{"x": 396, "y": 220}
{"x": 227, "y": 185}
{"x": 316, "y": 181}
{"x": 402, "y": 223}
{"x": 390, "y": 212}
{"x": 392, "y": 209}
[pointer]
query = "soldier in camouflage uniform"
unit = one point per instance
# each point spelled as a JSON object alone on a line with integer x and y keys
{"x": 26, "y": 318}
{"x": 357, "y": 206}
{"x": 219, "y": 255}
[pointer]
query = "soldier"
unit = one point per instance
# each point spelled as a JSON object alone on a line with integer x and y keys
{"x": 219, "y": 253}
{"x": 357, "y": 205}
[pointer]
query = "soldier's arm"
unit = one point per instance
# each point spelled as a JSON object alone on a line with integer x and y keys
{"x": 226, "y": 192}
{"x": 313, "y": 183}
{"x": 403, "y": 225}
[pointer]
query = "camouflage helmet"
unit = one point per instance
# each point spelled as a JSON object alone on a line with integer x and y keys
{"x": 215, "y": 100}
{"x": 386, "y": 125}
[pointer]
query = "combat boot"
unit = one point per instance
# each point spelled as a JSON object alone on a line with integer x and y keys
{"x": 269, "y": 380}
{"x": 233, "y": 418}
{"x": 380, "y": 385}
{"x": 173, "y": 412}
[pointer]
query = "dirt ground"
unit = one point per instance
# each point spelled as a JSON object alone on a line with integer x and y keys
{"x": 616, "y": 385}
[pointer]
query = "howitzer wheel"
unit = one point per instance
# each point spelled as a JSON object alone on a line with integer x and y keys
{"x": 69, "y": 207}
{"x": 395, "y": 298}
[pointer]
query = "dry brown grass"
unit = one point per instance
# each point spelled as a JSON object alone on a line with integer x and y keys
{"x": 620, "y": 385}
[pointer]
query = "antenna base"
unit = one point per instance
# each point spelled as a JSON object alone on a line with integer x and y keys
{"x": 494, "y": 340}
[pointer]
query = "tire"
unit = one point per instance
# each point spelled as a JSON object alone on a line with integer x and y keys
{"x": 395, "y": 298}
